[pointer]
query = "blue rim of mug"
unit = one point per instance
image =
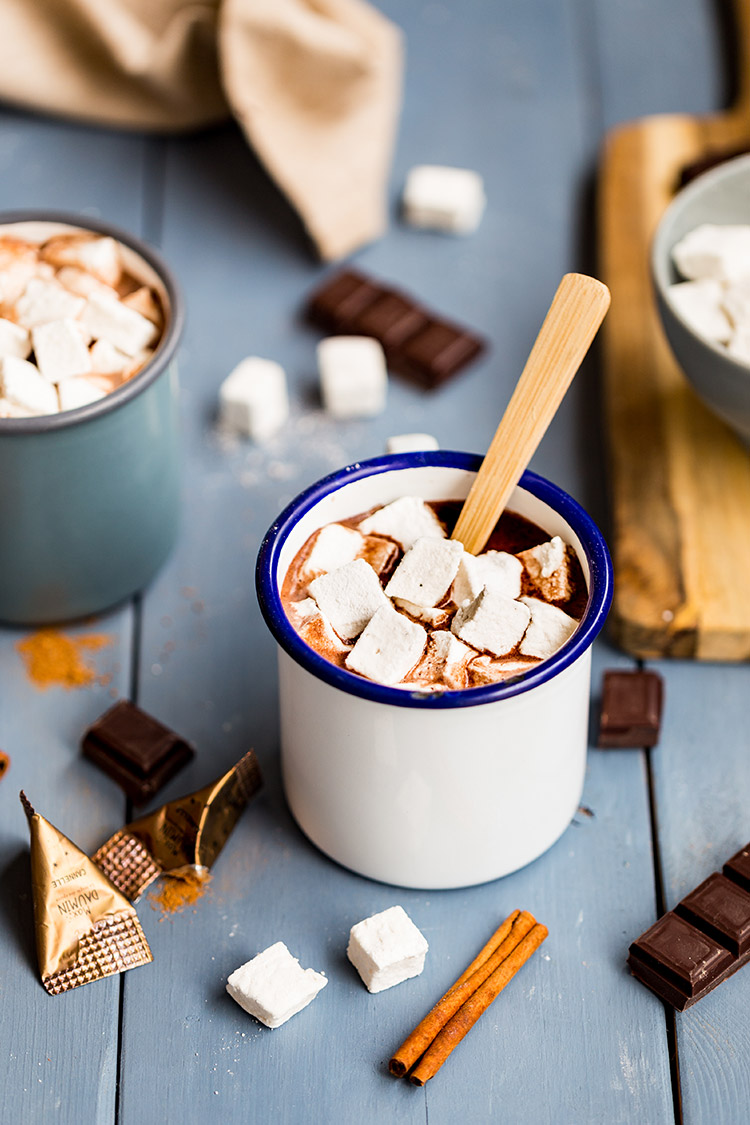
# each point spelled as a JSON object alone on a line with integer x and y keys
{"x": 591, "y": 539}
{"x": 163, "y": 355}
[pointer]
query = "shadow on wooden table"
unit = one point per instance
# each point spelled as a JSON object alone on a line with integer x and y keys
{"x": 16, "y": 904}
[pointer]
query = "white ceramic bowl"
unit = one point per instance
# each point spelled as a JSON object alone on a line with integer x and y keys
{"x": 431, "y": 790}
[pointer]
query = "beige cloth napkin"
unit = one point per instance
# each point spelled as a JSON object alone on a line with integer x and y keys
{"x": 315, "y": 85}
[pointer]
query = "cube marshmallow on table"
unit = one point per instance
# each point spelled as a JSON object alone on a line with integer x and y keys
{"x": 253, "y": 398}
{"x": 273, "y": 986}
{"x": 353, "y": 376}
{"x": 410, "y": 443}
{"x": 442, "y": 198}
{"x": 386, "y": 949}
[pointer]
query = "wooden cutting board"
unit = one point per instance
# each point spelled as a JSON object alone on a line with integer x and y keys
{"x": 679, "y": 479}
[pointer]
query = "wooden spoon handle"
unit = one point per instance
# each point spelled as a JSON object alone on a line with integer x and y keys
{"x": 577, "y": 310}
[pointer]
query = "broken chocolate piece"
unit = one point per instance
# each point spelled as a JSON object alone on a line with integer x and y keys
{"x": 135, "y": 750}
{"x": 418, "y": 344}
{"x": 700, "y": 943}
{"x": 631, "y": 710}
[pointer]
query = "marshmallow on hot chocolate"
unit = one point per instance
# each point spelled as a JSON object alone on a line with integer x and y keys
{"x": 549, "y": 629}
{"x": 75, "y": 392}
{"x": 388, "y": 647}
{"x": 405, "y": 520}
{"x": 106, "y": 318}
{"x": 444, "y": 662}
{"x": 443, "y": 198}
{"x": 492, "y": 622}
{"x": 23, "y": 386}
{"x": 349, "y": 596}
{"x": 42, "y": 301}
{"x": 426, "y": 571}
{"x": 14, "y": 340}
{"x": 60, "y": 349}
{"x": 253, "y": 398}
{"x": 106, "y": 359}
{"x": 99, "y": 256}
{"x": 144, "y": 302}
{"x": 429, "y": 614}
{"x": 497, "y": 569}
{"x": 719, "y": 252}
{"x": 700, "y": 303}
{"x": 334, "y": 546}
{"x": 353, "y": 376}
{"x": 548, "y": 568}
{"x": 83, "y": 284}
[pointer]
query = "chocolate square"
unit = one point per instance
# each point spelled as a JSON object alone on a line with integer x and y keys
{"x": 721, "y": 909}
{"x": 687, "y": 958}
{"x": 391, "y": 319}
{"x": 135, "y": 750}
{"x": 339, "y": 300}
{"x": 631, "y": 707}
{"x": 436, "y": 353}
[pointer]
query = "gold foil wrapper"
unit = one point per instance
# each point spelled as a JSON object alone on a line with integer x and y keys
{"x": 184, "y": 834}
{"x": 85, "y": 928}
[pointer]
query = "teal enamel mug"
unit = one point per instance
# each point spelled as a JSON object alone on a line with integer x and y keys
{"x": 89, "y": 497}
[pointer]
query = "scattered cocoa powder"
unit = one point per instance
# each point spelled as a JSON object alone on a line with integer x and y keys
{"x": 52, "y": 658}
{"x": 175, "y": 892}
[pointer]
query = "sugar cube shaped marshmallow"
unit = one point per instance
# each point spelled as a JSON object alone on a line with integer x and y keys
{"x": 334, "y": 546}
{"x": 386, "y": 949}
{"x": 353, "y": 376}
{"x": 548, "y": 568}
{"x": 388, "y": 647}
{"x": 700, "y": 304}
{"x": 60, "y": 349}
{"x": 253, "y": 398}
{"x": 144, "y": 302}
{"x": 405, "y": 520}
{"x": 23, "y": 386}
{"x": 42, "y": 301}
{"x": 348, "y": 596}
{"x": 105, "y": 318}
{"x": 429, "y": 614}
{"x": 442, "y": 198}
{"x": 14, "y": 339}
{"x": 273, "y": 986}
{"x": 83, "y": 284}
{"x": 106, "y": 359}
{"x": 549, "y": 629}
{"x": 497, "y": 569}
{"x": 492, "y": 622}
{"x": 99, "y": 256}
{"x": 720, "y": 252}
{"x": 426, "y": 571}
{"x": 410, "y": 443}
{"x": 445, "y": 661}
{"x": 76, "y": 392}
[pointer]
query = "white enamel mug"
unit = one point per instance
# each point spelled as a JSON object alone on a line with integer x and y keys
{"x": 431, "y": 790}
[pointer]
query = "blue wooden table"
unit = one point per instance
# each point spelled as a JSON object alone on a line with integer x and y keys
{"x": 523, "y": 93}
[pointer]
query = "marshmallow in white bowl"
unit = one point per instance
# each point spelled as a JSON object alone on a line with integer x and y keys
{"x": 23, "y": 386}
{"x": 426, "y": 571}
{"x": 719, "y": 252}
{"x": 386, "y": 949}
{"x": 701, "y": 304}
{"x": 492, "y": 622}
{"x": 388, "y": 648}
{"x": 353, "y": 376}
{"x": 404, "y": 520}
{"x": 410, "y": 443}
{"x": 273, "y": 986}
{"x": 253, "y": 399}
{"x": 442, "y": 198}
{"x": 348, "y": 596}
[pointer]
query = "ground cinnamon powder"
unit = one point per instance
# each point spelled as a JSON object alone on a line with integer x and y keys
{"x": 52, "y": 658}
{"x": 175, "y": 892}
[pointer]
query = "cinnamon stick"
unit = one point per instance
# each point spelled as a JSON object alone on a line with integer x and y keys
{"x": 468, "y": 1014}
{"x": 505, "y": 938}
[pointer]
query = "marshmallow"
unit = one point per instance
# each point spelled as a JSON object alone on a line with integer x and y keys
{"x": 720, "y": 252}
{"x": 73, "y": 392}
{"x": 405, "y": 520}
{"x": 42, "y": 301}
{"x": 273, "y": 986}
{"x": 17, "y": 267}
{"x": 145, "y": 303}
{"x": 388, "y": 648}
{"x": 433, "y": 616}
{"x": 99, "y": 256}
{"x": 492, "y": 622}
{"x": 700, "y": 304}
{"x": 386, "y": 949}
{"x": 441, "y": 198}
{"x": 14, "y": 340}
{"x": 410, "y": 443}
{"x": 353, "y": 376}
{"x": 445, "y": 661}
{"x": 60, "y": 350}
{"x": 548, "y": 569}
{"x": 23, "y": 386}
{"x": 9, "y": 410}
{"x": 497, "y": 569}
{"x": 484, "y": 670}
{"x": 426, "y": 571}
{"x": 334, "y": 545}
{"x": 549, "y": 629}
{"x": 105, "y": 318}
{"x": 381, "y": 554}
{"x": 253, "y": 398}
{"x": 83, "y": 284}
{"x": 348, "y": 597}
{"x": 736, "y": 303}
{"x": 106, "y": 359}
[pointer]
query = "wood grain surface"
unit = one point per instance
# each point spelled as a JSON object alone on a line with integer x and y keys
{"x": 680, "y": 479}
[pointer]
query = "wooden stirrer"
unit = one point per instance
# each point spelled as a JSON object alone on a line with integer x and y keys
{"x": 577, "y": 310}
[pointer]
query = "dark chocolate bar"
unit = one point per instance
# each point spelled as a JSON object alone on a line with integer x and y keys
{"x": 135, "y": 750}
{"x": 631, "y": 707}
{"x": 700, "y": 943}
{"x": 418, "y": 344}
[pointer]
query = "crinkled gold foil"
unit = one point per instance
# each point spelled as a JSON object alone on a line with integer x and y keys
{"x": 85, "y": 928}
{"x": 187, "y": 833}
